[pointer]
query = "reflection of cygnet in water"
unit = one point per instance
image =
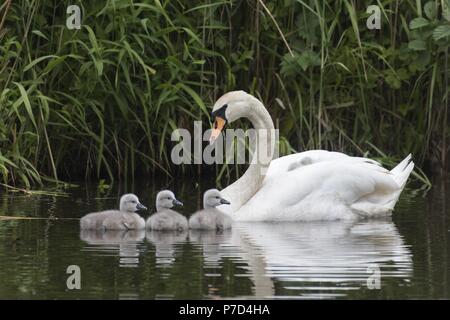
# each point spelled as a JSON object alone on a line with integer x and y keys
{"x": 212, "y": 244}
{"x": 211, "y": 218}
{"x": 111, "y": 237}
{"x": 165, "y": 243}
{"x": 123, "y": 219}
{"x": 124, "y": 241}
{"x": 165, "y": 218}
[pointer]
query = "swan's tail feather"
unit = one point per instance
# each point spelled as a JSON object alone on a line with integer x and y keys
{"x": 401, "y": 166}
{"x": 402, "y": 171}
{"x": 400, "y": 174}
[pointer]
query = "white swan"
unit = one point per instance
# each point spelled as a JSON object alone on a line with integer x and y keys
{"x": 211, "y": 218}
{"x": 123, "y": 219}
{"x": 165, "y": 218}
{"x": 312, "y": 185}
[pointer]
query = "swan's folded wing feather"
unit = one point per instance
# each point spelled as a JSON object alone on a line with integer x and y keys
{"x": 302, "y": 159}
{"x": 327, "y": 188}
{"x": 360, "y": 180}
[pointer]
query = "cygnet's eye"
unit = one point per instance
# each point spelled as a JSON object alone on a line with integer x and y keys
{"x": 217, "y": 197}
{"x": 133, "y": 201}
{"x": 168, "y": 198}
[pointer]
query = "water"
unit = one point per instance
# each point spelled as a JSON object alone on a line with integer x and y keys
{"x": 320, "y": 260}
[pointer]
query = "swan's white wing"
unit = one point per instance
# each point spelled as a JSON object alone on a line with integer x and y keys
{"x": 325, "y": 190}
{"x": 298, "y": 160}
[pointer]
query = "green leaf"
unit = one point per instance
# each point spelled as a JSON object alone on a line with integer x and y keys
{"x": 441, "y": 32}
{"x": 194, "y": 96}
{"x": 446, "y": 10}
{"x": 418, "y": 23}
{"x": 193, "y": 36}
{"x": 404, "y": 108}
{"x": 53, "y": 63}
{"x": 6, "y": 160}
{"x": 417, "y": 45}
{"x": 93, "y": 39}
{"x": 421, "y": 62}
{"x": 393, "y": 81}
{"x": 26, "y": 102}
{"x": 36, "y": 61}
{"x": 430, "y": 10}
{"x": 403, "y": 74}
{"x": 40, "y": 34}
{"x": 308, "y": 59}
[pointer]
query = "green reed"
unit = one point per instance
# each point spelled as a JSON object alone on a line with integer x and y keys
{"x": 102, "y": 102}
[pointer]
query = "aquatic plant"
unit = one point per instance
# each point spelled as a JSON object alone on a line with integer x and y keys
{"x": 101, "y": 102}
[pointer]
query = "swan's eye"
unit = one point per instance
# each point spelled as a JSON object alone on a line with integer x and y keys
{"x": 220, "y": 112}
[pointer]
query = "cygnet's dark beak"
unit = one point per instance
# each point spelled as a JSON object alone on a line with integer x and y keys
{"x": 223, "y": 201}
{"x": 175, "y": 202}
{"x": 140, "y": 206}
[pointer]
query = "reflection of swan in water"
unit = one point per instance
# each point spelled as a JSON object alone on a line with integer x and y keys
{"x": 126, "y": 243}
{"x": 304, "y": 257}
{"x": 165, "y": 243}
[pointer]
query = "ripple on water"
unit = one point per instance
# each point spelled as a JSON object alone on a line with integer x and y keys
{"x": 314, "y": 260}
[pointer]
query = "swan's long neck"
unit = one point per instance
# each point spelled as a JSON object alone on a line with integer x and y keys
{"x": 246, "y": 186}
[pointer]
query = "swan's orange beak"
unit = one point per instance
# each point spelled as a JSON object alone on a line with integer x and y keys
{"x": 219, "y": 123}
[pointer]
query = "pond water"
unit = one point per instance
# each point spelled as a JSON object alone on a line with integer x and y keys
{"x": 314, "y": 260}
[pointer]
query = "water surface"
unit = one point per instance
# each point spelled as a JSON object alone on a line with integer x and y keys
{"x": 314, "y": 260}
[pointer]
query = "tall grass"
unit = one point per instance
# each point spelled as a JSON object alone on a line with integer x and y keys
{"x": 102, "y": 102}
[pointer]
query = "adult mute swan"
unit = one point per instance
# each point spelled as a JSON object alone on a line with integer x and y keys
{"x": 311, "y": 185}
{"x": 123, "y": 219}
